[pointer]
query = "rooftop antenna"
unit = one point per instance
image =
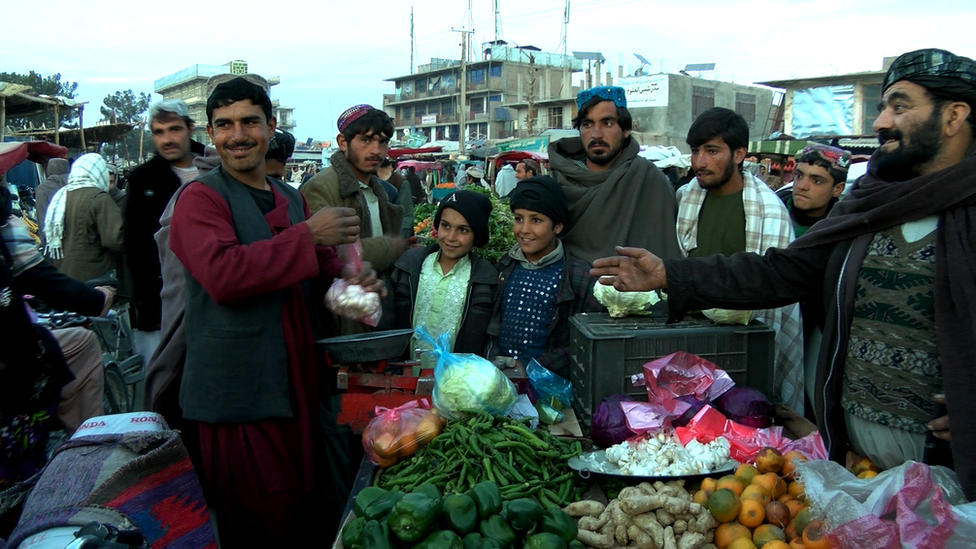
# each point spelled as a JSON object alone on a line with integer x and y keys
{"x": 470, "y": 36}
{"x": 498, "y": 20}
{"x": 413, "y": 41}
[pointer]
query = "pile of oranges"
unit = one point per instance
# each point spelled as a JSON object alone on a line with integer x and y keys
{"x": 421, "y": 226}
{"x": 762, "y": 506}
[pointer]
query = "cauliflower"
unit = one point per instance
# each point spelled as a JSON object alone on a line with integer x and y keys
{"x": 621, "y": 304}
{"x": 469, "y": 382}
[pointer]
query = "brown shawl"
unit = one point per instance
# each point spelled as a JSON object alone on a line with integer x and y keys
{"x": 950, "y": 193}
{"x": 631, "y": 204}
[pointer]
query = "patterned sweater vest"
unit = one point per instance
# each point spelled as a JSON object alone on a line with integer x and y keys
{"x": 527, "y": 308}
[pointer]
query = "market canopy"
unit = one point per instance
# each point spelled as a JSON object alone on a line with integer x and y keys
{"x": 12, "y": 154}
{"x": 396, "y": 153}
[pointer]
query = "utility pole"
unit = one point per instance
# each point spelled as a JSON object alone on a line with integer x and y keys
{"x": 413, "y": 40}
{"x": 463, "y": 103}
{"x": 498, "y": 20}
{"x": 564, "y": 35}
{"x": 470, "y": 35}
{"x": 530, "y": 119}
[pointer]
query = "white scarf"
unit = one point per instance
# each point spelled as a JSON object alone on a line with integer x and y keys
{"x": 88, "y": 171}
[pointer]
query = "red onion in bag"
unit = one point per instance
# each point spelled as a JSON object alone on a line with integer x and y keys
{"x": 746, "y": 406}
{"x": 609, "y": 425}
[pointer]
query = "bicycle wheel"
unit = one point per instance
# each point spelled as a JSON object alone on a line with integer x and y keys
{"x": 116, "y": 398}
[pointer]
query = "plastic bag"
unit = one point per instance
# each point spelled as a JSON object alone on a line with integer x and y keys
{"x": 399, "y": 432}
{"x": 745, "y": 442}
{"x": 912, "y": 505}
{"x": 548, "y": 387}
{"x": 524, "y": 409}
{"x": 466, "y": 382}
{"x": 609, "y": 425}
{"x": 681, "y": 374}
{"x": 351, "y": 300}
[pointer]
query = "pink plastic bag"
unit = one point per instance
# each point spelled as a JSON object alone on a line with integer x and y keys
{"x": 399, "y": 432}
{"x": 680, "y": 374}
{"x": 745, "y": 442}
{"x": 912, "y": 505}
{"x": 351, "y": 300}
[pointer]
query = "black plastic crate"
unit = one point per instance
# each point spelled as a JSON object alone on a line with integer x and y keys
{"x": 605, "y": 352}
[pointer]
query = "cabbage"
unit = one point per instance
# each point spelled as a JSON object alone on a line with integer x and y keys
{"x": 609, "y": 425}
{"x": 746, "y": 406}
{"x": 465, "y": 382}
{"x": 728, "y": 316}
{"x": 621, "y": 304}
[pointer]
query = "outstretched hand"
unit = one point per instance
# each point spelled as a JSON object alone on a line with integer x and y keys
{"x": 634, "y": 270}
{"x": 333, "y": 226}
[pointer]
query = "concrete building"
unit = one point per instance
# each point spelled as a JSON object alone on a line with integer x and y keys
{"x": 664, "y": 106}
{"x": 190, "y": 85}
{"x": 844, "y": 105}
{"x": 511, "y": 92}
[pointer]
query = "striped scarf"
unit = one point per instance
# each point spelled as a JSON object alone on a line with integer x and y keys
{"x": 88, "y": 171}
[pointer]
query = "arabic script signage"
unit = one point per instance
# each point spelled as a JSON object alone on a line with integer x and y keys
{"x": 646, "y": 91}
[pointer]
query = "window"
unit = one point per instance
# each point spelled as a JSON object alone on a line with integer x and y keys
{"x": 495, "y": 71}
{"x": 478, "y": 105}
{"x": 447, "y": 108}
{"x": 477, "y": 76}
{"x": 432, "y": 108}
{"x": 419, "y": 111}
{"x": 555, "y": 118}
{"x": 702, "y": 99}
{"x": 407, "y": 113}
{"x": 869, "y": 110}
{"x": 745, "y": 104}
{"x": 494, "y": 98}
{"x": 420, "y": 84}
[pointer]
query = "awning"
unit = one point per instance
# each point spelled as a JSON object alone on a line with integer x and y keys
{"x": 12, "y": 154}
{"x": 396, "y": 153}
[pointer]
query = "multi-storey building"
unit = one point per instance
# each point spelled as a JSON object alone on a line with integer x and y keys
{"x": 190, "y": 85}
{"x": 511, "y": 92}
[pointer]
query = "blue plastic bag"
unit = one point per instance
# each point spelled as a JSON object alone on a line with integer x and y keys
{"x": 547, "y": 385}
{"x": 466, "y": 382}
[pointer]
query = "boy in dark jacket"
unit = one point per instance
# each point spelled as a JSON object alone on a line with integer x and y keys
{"x": 540, "y": 285}
{"x": 445, "y": 286}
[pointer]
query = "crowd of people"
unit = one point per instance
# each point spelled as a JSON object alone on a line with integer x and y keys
{"x": 230, "y": 255}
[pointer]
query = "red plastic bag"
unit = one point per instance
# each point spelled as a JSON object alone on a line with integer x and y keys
{"x": 399, "y": 432}
{"x": 680, "y": 374}
{"x": 745, "y": 442}
{"x": 351, "y": 300}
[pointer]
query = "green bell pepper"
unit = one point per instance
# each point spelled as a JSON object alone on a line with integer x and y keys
{"x": 576, "y": 544}
{"x": 429, "y": 489}
{"x": 556, "y": 521}
{"x": 366, "y": 496}
{"x": 413, "y": 516}
{"x": 545, "y": 540}
{"x": 497, "y": 529}
{"x": 442, "y": 539}
{"x": 376, "y": 535}
{"x": 352, "y": 533}
{"x": 487, "y": 498}
{"x": 381, "y": 506}
{"x": 473, "y": 541}
{"x": 460, "y": 514}
{"x": 523, "y": 513}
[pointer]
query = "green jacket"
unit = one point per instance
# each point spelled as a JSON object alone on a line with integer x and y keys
{"x": 92, "y": 234}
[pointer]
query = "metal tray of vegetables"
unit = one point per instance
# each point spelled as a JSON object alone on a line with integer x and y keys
{"x": 661, "y": 457}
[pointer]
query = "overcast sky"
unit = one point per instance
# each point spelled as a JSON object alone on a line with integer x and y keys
{"x": 333, "y": 54}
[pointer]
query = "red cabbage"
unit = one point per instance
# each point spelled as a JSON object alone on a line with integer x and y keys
{"x": 696, "y": 406}
{"x": 746, "y": 406}
{"x": 609, "y": 426}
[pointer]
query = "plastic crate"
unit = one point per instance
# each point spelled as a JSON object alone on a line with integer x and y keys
{"x": 605, "y": 352}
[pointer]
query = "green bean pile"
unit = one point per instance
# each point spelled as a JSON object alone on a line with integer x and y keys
{"x": 523, "y": 463}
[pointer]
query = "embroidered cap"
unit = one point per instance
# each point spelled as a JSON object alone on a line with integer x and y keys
{"x": 942, "y": 73}
{"x": 171, "y": 106}
{"x": 839, "y": 159}
{"x": 255, "y": 79}
{"x": 352, "y": 114}
{"x": 608, "y": 93}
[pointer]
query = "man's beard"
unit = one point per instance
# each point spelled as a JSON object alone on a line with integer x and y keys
{"x": 905, "y": 162}
{"x": 607, "y": 157}
{"x": 726, "y": 176}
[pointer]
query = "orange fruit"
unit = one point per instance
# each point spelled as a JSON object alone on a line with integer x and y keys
{"x": 795, "y": 489}
{"x": 784, "y": 498}
{"x": 790, "y": 531}
{"x": 701, "y": 497}
{"x": 802, "y": 519}
{"x": 864, "y": 464}
{"x": 775, "y": 544}
{"x": 778, "y": 514}
{"x": 742, "y": 543}
{"x": 868, "y": 474}
{"x": 790, "y": 459}
{"x": 797, "y": 544}
{"x": 732, "y": 483}
{"x": 752, "y": 513}
{"x": 727, "y": 533}
{"x": 724, "y": 505}
{"x": 815, "y": 535}
{"x": 757, "y": 492}
{"x": 708, "y": 484}
{"x": 746, "y": 471}
{"x": 766, "y": 533}
{"x": 769, "y": 460}
{"x": 772, "y": 483}
{"x": 795, "y": 507}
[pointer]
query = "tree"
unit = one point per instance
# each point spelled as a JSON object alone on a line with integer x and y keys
{"x": 126, "y": 106}
{"x": 44, "y": 85}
